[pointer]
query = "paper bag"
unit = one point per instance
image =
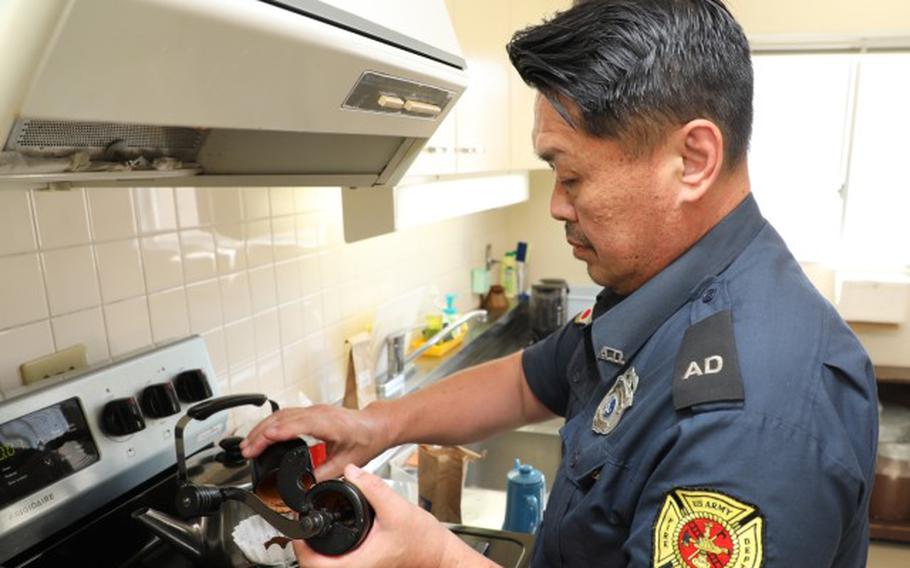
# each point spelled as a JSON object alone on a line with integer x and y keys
{"x": 440, "y": 476}
{"x": 359, "y": 387}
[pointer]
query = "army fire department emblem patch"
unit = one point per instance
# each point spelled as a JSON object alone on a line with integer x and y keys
{"x": 698, "y": 528}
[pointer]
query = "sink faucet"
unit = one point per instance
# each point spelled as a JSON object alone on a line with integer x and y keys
{"x": 392, "y": 383}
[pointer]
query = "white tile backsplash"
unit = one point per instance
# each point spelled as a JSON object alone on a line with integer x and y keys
{"x": 72, "y": 279}
{"x": 261, "y": 273}
{"x": 128, "y": 326}
{"x": 282, "y": 201}
{"x": 284, "y": 236}
{"x": 240, "y": 341}
{"x": 162, "y": 261}
{"x": 258, "y": 242}
{"x": 61, "y": 218}
{"x": 262, "y": 288}
{"x": 20, "y": 345}
{"x": 112, "y": 213}
{"x": 194, "y": 207}
{"x": 268, "y": 337}
{"x": 204, "y": 303}
{"x": 290, "y": 319}
{"x": 22, "y": 296}
{"x": 86, "y": 327}
{"x": 168, "y": 315}
{"x": 256, "y": 203}
{"x": 270, "y": 373}
{"x": 120, "y": 270}
{"x": 156, "y": 210}
{"x": 214, "y": 343}
{"x": 17, "y": 232}
{"x": 235, "y": 296}
{"x": 227, "y": 205}
{"x": 198, "y": 246}
{"x": 287, "y": 281}
{"x": 230, "y": 248}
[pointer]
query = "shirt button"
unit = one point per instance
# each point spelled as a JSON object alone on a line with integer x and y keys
{"x": 709, "y": 295}
{"x": 574, "y": 461}
{"x": 576, "y": 376}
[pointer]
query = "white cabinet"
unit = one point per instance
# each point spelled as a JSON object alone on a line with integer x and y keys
{"x": 474, "y": 138}
{"x": 524, "y": 13}
{"x": 482, "y": 118}
{"x": 438, "y": 156}
{"x": 489, "y": 130}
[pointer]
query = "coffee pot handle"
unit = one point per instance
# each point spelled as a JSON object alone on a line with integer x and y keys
{"x": 203, "y": 410}
{"x": 212, "y": 406}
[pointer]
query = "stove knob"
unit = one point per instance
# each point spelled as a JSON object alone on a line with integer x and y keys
{"x": 193, "y": 386}
{"x": 159, "y": 401}
{"x": 121, "y": 417}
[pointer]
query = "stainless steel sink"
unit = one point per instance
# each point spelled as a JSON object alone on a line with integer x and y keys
{"x": 538, "y": 445}
{"x": 484, "y": 494}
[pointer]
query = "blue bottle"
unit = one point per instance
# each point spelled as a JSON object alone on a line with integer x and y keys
{"x": 525, "y": 492}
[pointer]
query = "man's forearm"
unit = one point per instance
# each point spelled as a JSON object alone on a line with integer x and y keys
{"x": 465, "y": 407}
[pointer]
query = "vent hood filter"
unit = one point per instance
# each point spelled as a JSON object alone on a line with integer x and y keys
{"x": 55, "y": 138}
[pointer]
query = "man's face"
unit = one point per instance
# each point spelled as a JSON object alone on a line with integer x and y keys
{"x": 619, "y": 211}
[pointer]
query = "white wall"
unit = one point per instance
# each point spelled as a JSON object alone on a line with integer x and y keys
{"x": 262, "y": 274}
{"x": 822, "y": 17}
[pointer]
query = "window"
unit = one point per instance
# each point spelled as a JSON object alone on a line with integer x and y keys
{"x": 828, "y": 151}
{"x": 877, "y": 227}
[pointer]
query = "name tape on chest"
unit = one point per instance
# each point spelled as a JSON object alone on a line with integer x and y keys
{"x": 706, "y": 368}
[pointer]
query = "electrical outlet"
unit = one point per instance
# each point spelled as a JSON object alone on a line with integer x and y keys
{"x": 62, "y": 361}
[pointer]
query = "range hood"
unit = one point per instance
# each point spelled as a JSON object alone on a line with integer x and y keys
{"x": 222, "y": 92}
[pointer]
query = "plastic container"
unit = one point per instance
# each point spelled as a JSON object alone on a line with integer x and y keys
{"x": 443, "y": 347}
{"x": 403, "y": 473}
{"x": 510, "y": 275}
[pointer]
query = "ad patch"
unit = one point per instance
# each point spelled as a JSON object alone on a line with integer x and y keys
{"x": 706, "y": 367}
{"x": 700, "y": 528}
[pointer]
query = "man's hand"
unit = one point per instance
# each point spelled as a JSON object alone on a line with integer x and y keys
{"x": 403, "y": 535}
{"x": 350, "y": 436}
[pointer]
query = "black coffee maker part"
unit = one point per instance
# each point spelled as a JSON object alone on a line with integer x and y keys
{"x": 548, "y": 305}
{"x": 334, "y": 517}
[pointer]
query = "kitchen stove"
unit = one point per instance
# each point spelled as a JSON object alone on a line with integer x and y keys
{"x": 79, "y": 453}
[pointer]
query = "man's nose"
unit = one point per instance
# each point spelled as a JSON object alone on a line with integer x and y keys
{"x": 561, "y": 208}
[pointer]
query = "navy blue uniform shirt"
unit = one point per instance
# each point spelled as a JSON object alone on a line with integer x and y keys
{"x": 722, "y": 415}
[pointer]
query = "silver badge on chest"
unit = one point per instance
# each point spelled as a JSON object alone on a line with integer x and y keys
{"x": 615, "y": 402}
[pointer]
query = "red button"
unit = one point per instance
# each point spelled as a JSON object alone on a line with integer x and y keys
{"x": 317, "y": 453}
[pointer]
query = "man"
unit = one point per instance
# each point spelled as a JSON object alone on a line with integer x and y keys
{"x": 718, "y": 411}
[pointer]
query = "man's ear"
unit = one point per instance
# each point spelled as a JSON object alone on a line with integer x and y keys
{"x": 700, "y": 144}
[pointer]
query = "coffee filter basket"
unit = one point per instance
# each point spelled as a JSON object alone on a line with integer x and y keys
{"x": 250, "y": 536}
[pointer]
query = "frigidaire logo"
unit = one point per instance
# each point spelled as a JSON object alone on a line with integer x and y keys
{"x": 32, "y": 505}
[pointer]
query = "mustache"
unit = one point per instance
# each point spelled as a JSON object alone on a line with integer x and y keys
{"x": 574, "y": 234}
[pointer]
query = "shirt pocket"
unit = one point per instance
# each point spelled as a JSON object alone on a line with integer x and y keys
{"x": 592, "y": 527}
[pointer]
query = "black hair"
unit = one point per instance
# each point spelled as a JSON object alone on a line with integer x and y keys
{"x": 634, "y": 68}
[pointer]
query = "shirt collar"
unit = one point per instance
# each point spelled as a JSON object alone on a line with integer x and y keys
{"x": 626, "y": 326}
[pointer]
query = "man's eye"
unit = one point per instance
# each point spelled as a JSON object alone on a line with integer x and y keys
{"x": 568, "y": 183}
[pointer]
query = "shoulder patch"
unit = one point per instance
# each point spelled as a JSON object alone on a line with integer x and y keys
{"x": 585, "y": 317}
{"x": 706, "y": 367}
{"x": 701, "y": 528}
